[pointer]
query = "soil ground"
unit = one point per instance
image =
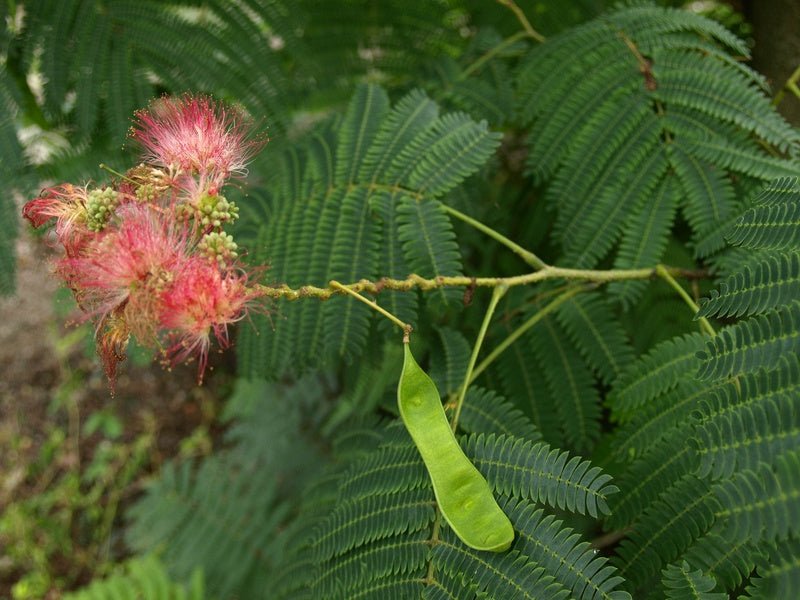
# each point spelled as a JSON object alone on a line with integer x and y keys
{"x": 48, "y": 380}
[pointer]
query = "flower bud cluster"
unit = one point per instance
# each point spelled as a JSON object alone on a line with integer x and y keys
{"x": 218, "y": 246}
{"x": 147, "y": 255}
{"x": 210, "y": 211}
{"x": 100, "y": 205}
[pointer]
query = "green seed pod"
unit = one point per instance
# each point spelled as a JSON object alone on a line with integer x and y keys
{"x": 463, "y": 495}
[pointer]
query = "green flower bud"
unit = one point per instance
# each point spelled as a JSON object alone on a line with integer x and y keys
{"x": 100, "y": 205}
{"x": 218, "y": 246}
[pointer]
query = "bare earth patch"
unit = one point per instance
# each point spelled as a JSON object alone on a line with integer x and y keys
{"x": 50, "y": 381}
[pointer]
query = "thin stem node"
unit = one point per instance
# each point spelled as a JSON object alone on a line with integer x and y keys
{"x": 517, "y": 333}
{"x": 790, "y": 85}
{"x": 662, "y": 272}
{"x": 491, "y": 53}
{"x": 498, "y": 293}
{"x": 105, "y": 167}
{"x": 523, "y": 20}
{"x": 526, "y": 255}
{"x": 374, "y": 306}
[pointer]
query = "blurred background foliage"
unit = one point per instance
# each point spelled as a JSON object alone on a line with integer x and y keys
{"x": 75, "y": 462}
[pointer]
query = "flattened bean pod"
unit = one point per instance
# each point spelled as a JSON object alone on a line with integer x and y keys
{"x": 463, "y": 495}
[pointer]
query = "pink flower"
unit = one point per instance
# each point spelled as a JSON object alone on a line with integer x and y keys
{"x": 148, "y": 255}
{"x": 125, "y": 268}
{"x": 67, "y": 204}
{"x": 202, "y": 301}
{"x": 112, "y": 336}
{"x": 195, "y": 135}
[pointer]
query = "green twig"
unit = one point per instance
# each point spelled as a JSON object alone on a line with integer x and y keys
{"x": 498, "y": 293}
{"x": 105, "y": 167}
{"x": 610, "y": 538}
{"x": 437, "y": 524}
{"x": 662, "y": 272}
{"x": 374, "y": 305}
{"x": 790, "y": 85}
{"x": 421, "y": 283}
{"x": 487, "y": 318}
{"x": 526, "y": 255}
{"x": 517, "y": 333}
{"x": 526, "y": 25}
{"x": 492, "y": 52}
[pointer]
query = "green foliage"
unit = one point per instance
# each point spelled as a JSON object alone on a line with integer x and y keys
{"x": 778, "y": 573}
{"x": 59, "y": 506}
{"x": 750, "y": 421}
{"x": 654, "y": 374}
{"x": 449, "y": 361}
{"x": 222, "y": 516}
{"x": 378, "y": 533}
{"x": 563, "y": 553}
{"x": 756, "y": 288}
{"x": 108, "y": 74}
{"x": 637, "y": 137}
{"x": 756, "y": 343}
{"x": 552, "y": 373}
{"x": 645, "y": 237}
{"x": 659, "y": 419}
{"x": 772, "y": 222}
{"x": 11, "y": 164}
{"x": 184, "y": 510}
{"x": 537, "y": 472}
{"x": 335, "y": 228}
{"x": 521, "y": 380}
{"x": 683, "y": 584}
{"x": 742, "y": 430}
{"x": 597, "y": 333}
{"x": 762, "y": 504}
{"x": 142, "y": 578}
{"x": 660, "y": 466}
{"x": 486, "y": 412}
{"x": 666, "y": 529}
{"x": 571, "y": 382}
{"x": 729, "y": 563}
{"x": 644, "y": 102}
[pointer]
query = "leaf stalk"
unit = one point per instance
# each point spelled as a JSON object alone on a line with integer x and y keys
{"x": 374, "y": 306}
{"x": 498, "y": 293}
{"x": 526, "y": 255}
{"x": 523, "y": 20}
{"x": 517, "y": 333}
{"x": 664, "y": 273}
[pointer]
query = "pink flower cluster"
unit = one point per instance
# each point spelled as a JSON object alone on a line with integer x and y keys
{"x": 148, "y": 256}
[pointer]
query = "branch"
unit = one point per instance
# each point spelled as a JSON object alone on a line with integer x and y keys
{"x": 526, "y": 255}
{"x": 790, "y": 85}
{"x": 421, "y": 283}
{"x": 610, "y": 538}
{"x": 374, "y": 306}
{"x": 491, "y": 53}
{"x": 645, "y": 68}
{"x": 526, "y": 25}
{"x": 666, "y": 276}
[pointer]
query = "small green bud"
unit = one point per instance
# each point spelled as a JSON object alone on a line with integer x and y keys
{"x": 146, "y": 192}
{"x": 216, "y": 210}
{"x": 218, "y": 246}
{"x": 100, "y": 204}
